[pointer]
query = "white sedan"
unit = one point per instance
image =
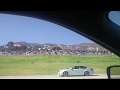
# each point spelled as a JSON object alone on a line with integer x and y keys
{"x": 76, "y": 70}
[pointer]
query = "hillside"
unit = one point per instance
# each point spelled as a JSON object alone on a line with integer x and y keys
{"x": 82, "y": 46}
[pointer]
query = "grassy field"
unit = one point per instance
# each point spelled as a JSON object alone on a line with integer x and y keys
{"x": 36, "y": 65}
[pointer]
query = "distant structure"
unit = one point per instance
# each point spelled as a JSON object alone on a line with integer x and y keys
{"x": 97, "y": 49}
{"x": 16, "y": 45}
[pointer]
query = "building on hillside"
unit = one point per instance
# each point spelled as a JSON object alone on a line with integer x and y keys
{"x": 16, "y": 45}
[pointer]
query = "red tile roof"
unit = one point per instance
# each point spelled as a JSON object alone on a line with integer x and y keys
{"x": 16, "y": 45}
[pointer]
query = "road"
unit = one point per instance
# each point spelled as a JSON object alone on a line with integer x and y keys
{"x": 95, "y": 76}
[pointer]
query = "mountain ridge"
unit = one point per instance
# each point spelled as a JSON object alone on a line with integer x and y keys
{"x": 81, "y": 46}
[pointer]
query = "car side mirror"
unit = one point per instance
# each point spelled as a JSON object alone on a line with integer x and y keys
{"x": 72, "y": 69}
{"x": 113, "y": 72}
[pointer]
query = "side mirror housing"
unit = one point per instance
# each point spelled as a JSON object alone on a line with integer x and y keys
{"x": 113, "y": 72}
{"x": 71, "y": 68}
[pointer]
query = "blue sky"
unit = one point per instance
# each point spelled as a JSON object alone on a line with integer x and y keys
{"x": 18, "y": 28}
{"x": 114, "y": 16}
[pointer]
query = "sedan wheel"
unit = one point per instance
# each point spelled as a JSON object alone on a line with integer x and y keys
{"x": 65, "y": 74}
{"x": 86, "y": 73}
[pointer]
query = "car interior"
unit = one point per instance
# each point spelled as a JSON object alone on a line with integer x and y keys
{"x": 94, "y": 25}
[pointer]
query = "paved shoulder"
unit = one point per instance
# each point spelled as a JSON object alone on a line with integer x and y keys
{"x": 95, "y": 76}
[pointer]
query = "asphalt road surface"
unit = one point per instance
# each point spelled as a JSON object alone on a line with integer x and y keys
{"x": 95, "y": 76}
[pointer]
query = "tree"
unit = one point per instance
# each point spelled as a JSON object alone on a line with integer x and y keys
{"x": 56, "y": 48}
{"x": 23, "y": 47}
{"x": 10, "y": 44}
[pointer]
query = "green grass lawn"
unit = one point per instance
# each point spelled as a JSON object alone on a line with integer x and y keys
{"x": 36, "y": 65}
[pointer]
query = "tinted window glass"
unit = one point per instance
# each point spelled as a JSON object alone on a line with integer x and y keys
{"x": 114, "y": 16}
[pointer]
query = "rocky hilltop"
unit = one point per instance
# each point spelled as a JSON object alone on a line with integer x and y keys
{"x": 82, "y": 46}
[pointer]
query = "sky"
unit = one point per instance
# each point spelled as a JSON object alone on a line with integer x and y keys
{"x": 31, "y": 30}
{"x": 114, "y": 16}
